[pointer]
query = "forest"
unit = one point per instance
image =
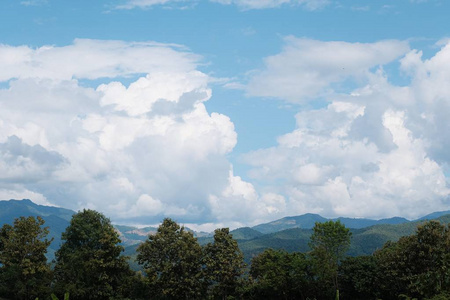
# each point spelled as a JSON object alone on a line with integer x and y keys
{"x": 90, "y": 265}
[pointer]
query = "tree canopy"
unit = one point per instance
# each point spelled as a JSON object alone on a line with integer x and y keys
{"x": 89, "y": 264}
{"x": 24, "y": 271}
{"x": 172, "y": 260}
{"x": 329, "y": 243}
{"x": 224, "y": 264}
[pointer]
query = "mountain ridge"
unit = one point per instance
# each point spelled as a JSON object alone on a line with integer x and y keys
{"x": 289, "y": 233}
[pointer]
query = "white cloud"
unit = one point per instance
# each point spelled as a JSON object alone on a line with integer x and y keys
{"x": 92, "y": 59}
{"x": 376, "y": 151}
{"x": 306, "y": 68}
{"x": 20, "y": 194}
{"x": 261, "y": 4}
{"x": 150, "y": 148}
{"x": 244, "y": 4}
{"x": 143, "y": 151}
{"x": 34, "y": 2}
{"x": 130, "y": 4}
{"x": 240, "y": 201}
{"x": 141, "y": 95}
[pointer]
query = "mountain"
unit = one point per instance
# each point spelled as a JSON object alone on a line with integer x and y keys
{"x": 304, "y": 221}
{"x": 56, "y": 218}
{"x": 435, "y": 215}
{"x": 364, "y": 241}
{"x": 132, "y": 235}
{"x": 9, "y": 210}
{"x": 307, "y": 221}
{"x": 245, "y": 233}
{"x": 290, "y": 233}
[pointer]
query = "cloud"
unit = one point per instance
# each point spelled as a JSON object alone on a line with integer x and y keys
{"x": 243, "y": 4}
{"x": 130, "y": 4}
{"x": 262, "y": 4}
{"x": 20, "y": 161}
{"x": 34, "y": 2}
{"x": 93, "y": 59}
{"x": 374, "y": 151}
{"x": 123, "y": 128}
{"x": 240, "y": 201}
{"x": 306, "y": 68}
{"x": 72, "y": 133}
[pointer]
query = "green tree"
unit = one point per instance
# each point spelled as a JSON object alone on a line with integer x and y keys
{"x": 24, "y": 271}
{"x": 224, "y": 263}
{"x": 89, "y": 264}
{"x": 329, "y": 243}
{"x": 393, "y": 275}
{"x": 358, "y": 278}
{"x": 172, "y": 260}
{"x": 417, "y": 265}
{"x": 276, "y": 274}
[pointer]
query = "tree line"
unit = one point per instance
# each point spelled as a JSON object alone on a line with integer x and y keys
{"x": 89, "y": 265}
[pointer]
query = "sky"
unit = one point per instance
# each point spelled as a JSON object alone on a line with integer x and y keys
{"x": 226, "y": 112}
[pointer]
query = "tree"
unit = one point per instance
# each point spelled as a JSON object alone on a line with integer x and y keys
{"x": 358, "y": 278}
{"x": 224, "y": 263}
{"x": 417, "y": 265}
{"x": 329, "y": 243}
{"x": 172, "y": 260}
{"x": 89, "y": 264}
{"x": 277, "y": 274}
{"x": 24, "y": 271}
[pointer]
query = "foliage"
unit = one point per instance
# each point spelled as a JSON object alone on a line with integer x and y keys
{"x": 420, "y": 263}
{"x": 89, "y": 264}
{"x": 358, "y": 278}
{"x": 24, "y": 271}
{"x": 329, "y": 244}
{"x": 66, "y": 296}
{"x": 276, "y": 274}
{"x": 172, "y": 260}
{"x": 224, "y": 264}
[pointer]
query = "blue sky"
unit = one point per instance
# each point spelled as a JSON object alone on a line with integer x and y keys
{"x": 226, "y": 112}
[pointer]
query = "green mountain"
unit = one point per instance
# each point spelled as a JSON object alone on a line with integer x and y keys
{"x": 57, "y": 219}
{"x": 304, "y": 221}
{"x": 435, "y": 215}
{"x": 307, "y": 221}
{"x": 290, "y": 233}
{"x": 364, "y": 240}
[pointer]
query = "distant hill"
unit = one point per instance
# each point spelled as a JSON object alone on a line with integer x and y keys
{"x": 132, "y": 235}
{"x": 435, "y": 215}
{"x": 364, "y": 240}
{"x": 307, "y": 221}
{"x": 245, "y": 233}
{"x": 56, "y": 218}
{"x": 290, "y": 233}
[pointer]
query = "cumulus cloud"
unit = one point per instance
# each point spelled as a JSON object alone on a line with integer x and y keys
{"x": 306, "y": 68}
{"x": 136, "y": 152}
{"x": 375, "y": 151}
{"x": 240, "y": 201}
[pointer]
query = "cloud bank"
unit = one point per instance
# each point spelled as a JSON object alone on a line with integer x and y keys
{"x": 73, "y": 134}
{"x": 375, "y": 150}
{"x": 122, "y": 127}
